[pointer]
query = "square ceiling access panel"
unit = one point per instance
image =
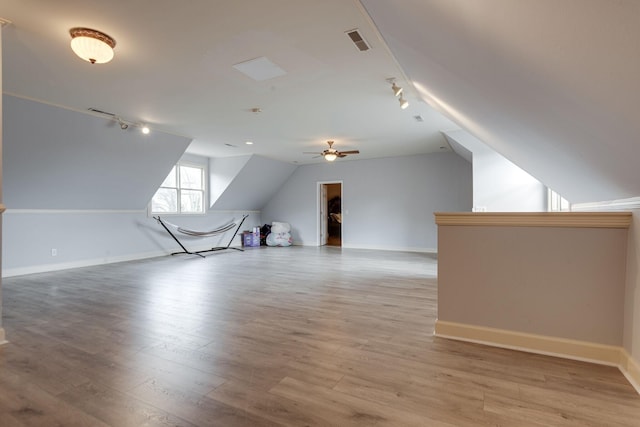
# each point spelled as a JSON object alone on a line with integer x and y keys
{"x": 260, "y": 69}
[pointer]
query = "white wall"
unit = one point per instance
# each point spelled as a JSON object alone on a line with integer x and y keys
{"x": 95, "y": 236}
{"x": 2, "y": 335}
{"x": 631, "y": 335}
{"x": 498, "y": 184}
{"x": 61, "y": 159}
{"x": 386, "y": 203}
{"x": 222, "y": 171}
{"x": 254, "y": 183}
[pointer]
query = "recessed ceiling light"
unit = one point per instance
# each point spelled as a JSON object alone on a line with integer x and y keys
{"x": 249, "y": 143}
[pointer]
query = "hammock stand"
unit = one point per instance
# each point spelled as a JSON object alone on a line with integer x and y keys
{"x": 194, "y": 233}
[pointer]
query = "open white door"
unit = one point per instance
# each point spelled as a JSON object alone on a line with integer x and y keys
{"x": 323, "y": 214}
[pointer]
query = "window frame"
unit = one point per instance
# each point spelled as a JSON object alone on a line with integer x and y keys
{"x": 557, "y": 203}
{"x": 178, "y": 188}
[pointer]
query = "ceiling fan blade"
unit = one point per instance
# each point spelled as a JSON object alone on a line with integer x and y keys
{"x": 311, "y": 152}
{"x": 350, "y": 152}
{"x": 341, "y": 155}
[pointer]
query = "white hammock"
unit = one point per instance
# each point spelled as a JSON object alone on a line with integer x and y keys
{"x": 196, "y": 233}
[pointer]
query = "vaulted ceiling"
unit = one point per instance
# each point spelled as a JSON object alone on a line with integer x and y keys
{"x": 550, "y": 85}
{"x": 174, "y": 69}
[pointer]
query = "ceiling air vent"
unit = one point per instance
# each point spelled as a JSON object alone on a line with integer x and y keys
{"x": 357, "y": 39}
{"x": 418, "y": 118}
{"x": 95, "y": 110}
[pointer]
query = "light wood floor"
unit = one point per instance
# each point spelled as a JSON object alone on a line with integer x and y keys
{"x": 269, "y": 337}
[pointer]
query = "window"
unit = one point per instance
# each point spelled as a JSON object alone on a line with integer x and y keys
{"x": 556, "y": 203}
{"x": 182, "y": 191}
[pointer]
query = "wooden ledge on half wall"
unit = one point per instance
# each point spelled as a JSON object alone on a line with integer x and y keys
{"x": 536, "y": 219}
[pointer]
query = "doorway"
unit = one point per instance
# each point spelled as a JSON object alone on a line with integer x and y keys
{"x": 330, "y": 214}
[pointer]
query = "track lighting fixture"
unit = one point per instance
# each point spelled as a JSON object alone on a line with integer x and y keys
{"x": 397, "y": 90}
{"x": 403, "y": 102}
{"x": 125, "y": 124}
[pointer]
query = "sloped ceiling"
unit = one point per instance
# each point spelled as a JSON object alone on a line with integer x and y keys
{"x": 55, "y": 158}
{"x": 551, "y": 85}
{"x": 254, "y": 185}
{"x": 174, "y": 70}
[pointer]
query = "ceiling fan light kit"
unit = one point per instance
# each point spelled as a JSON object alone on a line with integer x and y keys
{"x": 330, "y": 154}
{"x": 93, "y": 46}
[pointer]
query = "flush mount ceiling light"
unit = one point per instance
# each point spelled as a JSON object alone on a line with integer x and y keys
{"x": 91, "y": 45}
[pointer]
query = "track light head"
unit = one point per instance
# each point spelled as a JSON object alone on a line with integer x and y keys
{"x": 123, "y": 125}
{"x": 397, "y": 90}
{"x": 145, "y": 129}
{"x": 403, "y": 102}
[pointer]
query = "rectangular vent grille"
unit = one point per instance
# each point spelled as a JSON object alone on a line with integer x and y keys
{"x": 357, "y": 39}
{"x": 95, "y": 110}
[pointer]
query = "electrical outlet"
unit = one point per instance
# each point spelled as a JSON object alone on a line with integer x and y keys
{"x": 54, "y": 252}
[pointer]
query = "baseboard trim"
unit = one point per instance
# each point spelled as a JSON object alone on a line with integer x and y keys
{"x": 392, "y": 249}
{"x": 570, "y": 349}
{"x": 45, "y": 268}
{"x": 630, "y": 368}
{"x": 540, "y": 344}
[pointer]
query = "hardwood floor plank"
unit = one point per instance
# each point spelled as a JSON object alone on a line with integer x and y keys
{"x": 343, "y": 409}
{"x": 120, "y": 409}
{"x": 273, "y": 337}
{"x": 29, "y": 404}
{"x": 196, "y": 408}
{"x": 274, "y": 408}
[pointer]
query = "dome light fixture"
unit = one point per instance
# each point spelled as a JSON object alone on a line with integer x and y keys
{"x": 91, "y": 45}
{"x": 330, "y": 157}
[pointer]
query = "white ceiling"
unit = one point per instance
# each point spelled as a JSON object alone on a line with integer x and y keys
{"x": 551, "y": 85}
{"x": 173, "y": 69}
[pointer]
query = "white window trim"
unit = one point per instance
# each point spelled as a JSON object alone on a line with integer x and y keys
{"x": 205, "y": 196}
{"x": 553, "y": 198}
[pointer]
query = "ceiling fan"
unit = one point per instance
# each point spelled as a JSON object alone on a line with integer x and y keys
{"x": 330, "y": 154}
